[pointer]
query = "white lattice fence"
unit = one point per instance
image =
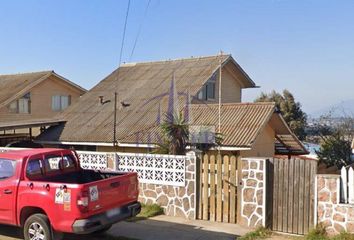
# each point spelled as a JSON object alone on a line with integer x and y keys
{"x": 155, "y": 169}
{"x": 95, "y": 160}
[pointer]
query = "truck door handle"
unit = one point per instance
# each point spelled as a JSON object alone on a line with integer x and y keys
{"x": 7, "y": 191}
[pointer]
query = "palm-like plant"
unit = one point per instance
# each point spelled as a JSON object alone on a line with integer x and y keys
{"x": 176, "y": 132}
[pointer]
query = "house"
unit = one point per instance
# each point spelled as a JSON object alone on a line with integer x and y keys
{"x": 143, "y": 93}
{"x": 31, "y": 100}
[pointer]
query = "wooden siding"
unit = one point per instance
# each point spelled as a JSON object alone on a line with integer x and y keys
{"x": 41, "y": 99}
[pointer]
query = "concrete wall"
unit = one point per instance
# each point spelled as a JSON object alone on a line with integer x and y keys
{"x": 175, "y": 200}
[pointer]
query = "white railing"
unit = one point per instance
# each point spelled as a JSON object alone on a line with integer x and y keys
{"x": 347, "y": 185}
{"x": 151, "y": 168}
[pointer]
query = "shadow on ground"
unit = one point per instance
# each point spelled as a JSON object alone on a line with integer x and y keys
{"x": 140, "y": 230}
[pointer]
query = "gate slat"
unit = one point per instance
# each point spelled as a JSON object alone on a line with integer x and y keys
{"x": 296, "y": 195}
{"x": 233, "y": 189}
{"x": 205, "y": 187}
{"x": 212, "y": 188}
{"x": 285, "y": 194}
{"x": 312, "y": 193}
{"x": 291, "y": 196}
{"x": 200, "y": 192}
{"x": 307, "y": 167}
{"x": 301, "y": 198}
{"x": 280, "y": 195}
{"x": 226, "y": 189}
{"x": 275, "y": 194}
{"x": 219, "y": 188}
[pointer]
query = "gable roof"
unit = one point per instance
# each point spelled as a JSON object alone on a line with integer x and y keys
{"x": 14, "y": 86}
{"x": 145, "y": 87}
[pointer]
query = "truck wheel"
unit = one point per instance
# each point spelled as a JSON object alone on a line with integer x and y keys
{"x": 37, "y": 227}
{"x": 103, "y": 230}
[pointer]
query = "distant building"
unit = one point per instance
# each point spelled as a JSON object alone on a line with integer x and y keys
{"x": 29, "y": 99}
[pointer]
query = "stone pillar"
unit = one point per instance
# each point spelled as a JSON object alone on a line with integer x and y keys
{"x": 331, "y": 214}
{"x": 253, "y": 176}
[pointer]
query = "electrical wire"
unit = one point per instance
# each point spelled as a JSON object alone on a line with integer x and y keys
{"x": 139, "y": 30}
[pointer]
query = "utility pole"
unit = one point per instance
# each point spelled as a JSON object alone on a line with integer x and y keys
{"x": 115, "y": 120}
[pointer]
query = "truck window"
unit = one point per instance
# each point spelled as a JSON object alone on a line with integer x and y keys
{"x": 52, "y": 163}
{"x": 34, "y": 168}
{"x": 68, "y": 162}
{"x": 7, "y": 168}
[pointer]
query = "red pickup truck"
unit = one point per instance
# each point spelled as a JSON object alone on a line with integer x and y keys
{"x": 46, "y": 192}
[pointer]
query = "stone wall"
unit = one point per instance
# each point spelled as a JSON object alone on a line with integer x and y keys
{"x": 253, "y": 192}
{"x": 334, "y": 216}
{"x": 175, "y": 200}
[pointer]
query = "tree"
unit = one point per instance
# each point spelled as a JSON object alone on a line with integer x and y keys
{"x": 290, "y": 109}
{"x": 335, "y": 151}
{"x": 335, "y": 136}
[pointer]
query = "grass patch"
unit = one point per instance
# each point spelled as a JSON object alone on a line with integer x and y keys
{"x": 259, "y": 233}
{"x": 319, "y": 233}
{"x": 147, "y": 211}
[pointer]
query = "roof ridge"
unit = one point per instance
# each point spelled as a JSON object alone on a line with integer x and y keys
{"x": 25, "y": 73}
{"x": 236, "y": 104}
{"x": 127, "y": 64}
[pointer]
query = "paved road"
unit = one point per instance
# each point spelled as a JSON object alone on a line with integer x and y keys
{"x": 157, "y": 228}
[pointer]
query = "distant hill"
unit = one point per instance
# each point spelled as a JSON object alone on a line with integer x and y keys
{"x": 338, "y": 110}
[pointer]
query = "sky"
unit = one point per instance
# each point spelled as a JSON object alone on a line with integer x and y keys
{"x": 305, "y": 46}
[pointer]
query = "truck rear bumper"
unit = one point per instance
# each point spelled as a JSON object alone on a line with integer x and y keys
{"x": 100, "y": 221}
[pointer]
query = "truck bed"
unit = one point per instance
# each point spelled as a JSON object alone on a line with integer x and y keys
{"x": 80, "y": 177}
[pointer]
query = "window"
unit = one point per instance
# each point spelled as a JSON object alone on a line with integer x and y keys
{"x": 52, "y": 163}
{"x": 68, "y": 162}
{"x": 59, "y": 102}
{"x": 21, "y": 105}
{"x": 34, "y": 167}
{"x": 208, "y": 90}
{"x": 7, "y": 168}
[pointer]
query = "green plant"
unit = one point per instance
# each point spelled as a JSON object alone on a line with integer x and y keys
{"x": 318, "y": 233}
{"x": 343, "y": 236}
{"x": 175, "y": 133}
{"x": 259, "y": 233}
{"x": 147, "y": 211}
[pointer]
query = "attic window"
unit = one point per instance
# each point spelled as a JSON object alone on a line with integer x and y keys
{"x": 208, "y": 90}
{"x": 59, "y": 102}
{"x": 21, "y": 105}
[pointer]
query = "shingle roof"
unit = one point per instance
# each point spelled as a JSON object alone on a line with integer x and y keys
{"x": 145, "y": 87}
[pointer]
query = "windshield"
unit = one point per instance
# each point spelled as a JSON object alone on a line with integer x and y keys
{"x": 7, "y": 168}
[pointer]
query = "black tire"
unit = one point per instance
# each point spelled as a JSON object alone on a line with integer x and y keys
{"x": 37, "y": 224}
{"x": 103, "y": 230}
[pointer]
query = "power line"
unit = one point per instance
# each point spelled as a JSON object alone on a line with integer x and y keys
{"x": 124, "y": 31}
{"x": 139, "y": 30}
{"x": 116, "y": 80}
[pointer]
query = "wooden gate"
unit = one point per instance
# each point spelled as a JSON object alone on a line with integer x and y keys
{"x": 217, "y": 200}
{"x": 293, "y": 184}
